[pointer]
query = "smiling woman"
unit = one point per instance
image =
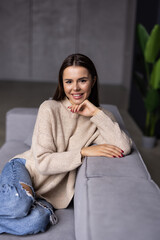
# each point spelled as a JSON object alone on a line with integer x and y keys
{"x": 68, "y": 128}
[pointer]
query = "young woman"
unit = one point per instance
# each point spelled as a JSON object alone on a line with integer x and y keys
{"x": 68, "y": 128}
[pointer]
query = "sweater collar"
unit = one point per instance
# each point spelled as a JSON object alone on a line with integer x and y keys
{"x": 67, "y": 104}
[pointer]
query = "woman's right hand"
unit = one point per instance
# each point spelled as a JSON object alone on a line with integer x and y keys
{"x": 102, "y": 150}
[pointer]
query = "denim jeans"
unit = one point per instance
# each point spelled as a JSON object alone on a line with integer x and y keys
{"x": 20, "y": 212}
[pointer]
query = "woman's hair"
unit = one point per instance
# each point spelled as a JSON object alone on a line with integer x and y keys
{"x": 83, "y": 61}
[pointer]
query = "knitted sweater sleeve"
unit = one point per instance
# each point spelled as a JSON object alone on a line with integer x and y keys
{"x": 111, "y": 132}
{"x": 48, "y": 161}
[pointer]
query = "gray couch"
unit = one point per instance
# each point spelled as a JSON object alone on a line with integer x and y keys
{"x": 115, "y": 199}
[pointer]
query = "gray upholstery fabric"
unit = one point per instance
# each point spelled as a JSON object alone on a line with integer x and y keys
{"x": 20, "y": 123}
{"x": 123, "y": 208}
{"x": 81, "y": 205}
{"x": 9, "y": 150}
{"x": 114, "y": 199}
{"x": 116, "y": 206}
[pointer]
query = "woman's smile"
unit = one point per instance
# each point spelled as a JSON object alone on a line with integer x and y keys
{"x": 77, "y": 96}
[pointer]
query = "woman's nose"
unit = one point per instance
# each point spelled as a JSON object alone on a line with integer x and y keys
{"x": 76, "y": 87}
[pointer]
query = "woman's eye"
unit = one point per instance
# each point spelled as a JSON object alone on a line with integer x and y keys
{"x": 83, "y": 80}
{"x": 68, "y": 82}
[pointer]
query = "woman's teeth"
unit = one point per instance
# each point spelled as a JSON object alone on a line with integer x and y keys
{"x": 77, "y": 96}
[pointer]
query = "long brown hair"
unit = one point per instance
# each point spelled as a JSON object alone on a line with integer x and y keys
{"x": 83, "y": 61}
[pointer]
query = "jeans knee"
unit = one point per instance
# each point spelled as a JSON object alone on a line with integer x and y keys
{"x": 14, "y": 201}
{"x": 25, "y": 201}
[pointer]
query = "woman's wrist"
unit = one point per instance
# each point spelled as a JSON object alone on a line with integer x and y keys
{"x": 83, "y": 152}
{"x": 96, "y": 111}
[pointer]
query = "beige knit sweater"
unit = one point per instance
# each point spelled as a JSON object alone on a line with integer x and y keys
{"x": 58, "y": 138}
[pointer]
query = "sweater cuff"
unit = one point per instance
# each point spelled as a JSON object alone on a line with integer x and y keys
{"x": 79, "y": 156}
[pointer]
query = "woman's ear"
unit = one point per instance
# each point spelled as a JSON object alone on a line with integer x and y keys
{"x": 94, "y": 80}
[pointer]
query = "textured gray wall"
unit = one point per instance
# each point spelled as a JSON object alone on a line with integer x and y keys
{"x": 14, "y": 39}
{"x": 36, "y": 35}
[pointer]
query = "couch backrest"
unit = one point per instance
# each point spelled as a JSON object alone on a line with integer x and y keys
{"x": 20, "y": 123}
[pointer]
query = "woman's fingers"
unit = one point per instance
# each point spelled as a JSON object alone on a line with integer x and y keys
{"x": 75, "y": 108}
{"x": 111, "y": 150}
{"x": 86, "y": 108}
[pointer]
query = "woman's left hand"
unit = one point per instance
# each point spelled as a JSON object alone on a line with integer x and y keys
{"x": 86, "y": 109}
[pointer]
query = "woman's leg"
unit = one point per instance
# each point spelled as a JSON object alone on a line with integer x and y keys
{"x": 15, "y": 201}
{"x": 38, "y": 220}
{"x": 20, "y": 212}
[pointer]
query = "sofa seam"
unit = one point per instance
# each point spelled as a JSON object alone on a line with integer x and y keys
{"x": 150, "y": 180}
{"x": 128, "y": 177}
{"x": 131, "y": 177}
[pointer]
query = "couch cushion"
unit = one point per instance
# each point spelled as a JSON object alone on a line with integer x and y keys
{"x": 9, "y": 150}
{"x": 64, "y": 229}
{"x": 123, "y": 208}
{"x": 130, "y": 166}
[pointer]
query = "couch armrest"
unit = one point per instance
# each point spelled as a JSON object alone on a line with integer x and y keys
{"x": 20, "y": 123}
{"x": 116, "y": 203}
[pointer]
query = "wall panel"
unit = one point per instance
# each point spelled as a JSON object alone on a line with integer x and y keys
{"x": 102, "y": 36}
{"x": 14, "y": 39}
{"x": 36, "y": 36}
{"x": 54, "y": 26}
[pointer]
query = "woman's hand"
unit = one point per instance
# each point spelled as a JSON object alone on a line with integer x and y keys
{"x": 86, "y": 109}
{"x": 102, "y": 150}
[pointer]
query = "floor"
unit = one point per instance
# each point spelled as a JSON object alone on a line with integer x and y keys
{"x": 29, "y": 94}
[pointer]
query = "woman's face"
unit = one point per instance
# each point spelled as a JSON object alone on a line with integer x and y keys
{"x": 77, "y": 83}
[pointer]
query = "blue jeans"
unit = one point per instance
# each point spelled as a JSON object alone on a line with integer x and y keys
{"x": 20, "y": 212}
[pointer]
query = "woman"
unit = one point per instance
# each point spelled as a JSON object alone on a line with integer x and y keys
{"x": 41, "y": 179}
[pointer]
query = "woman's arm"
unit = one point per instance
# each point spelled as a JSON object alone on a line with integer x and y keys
{"x": 109, "y": 130}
